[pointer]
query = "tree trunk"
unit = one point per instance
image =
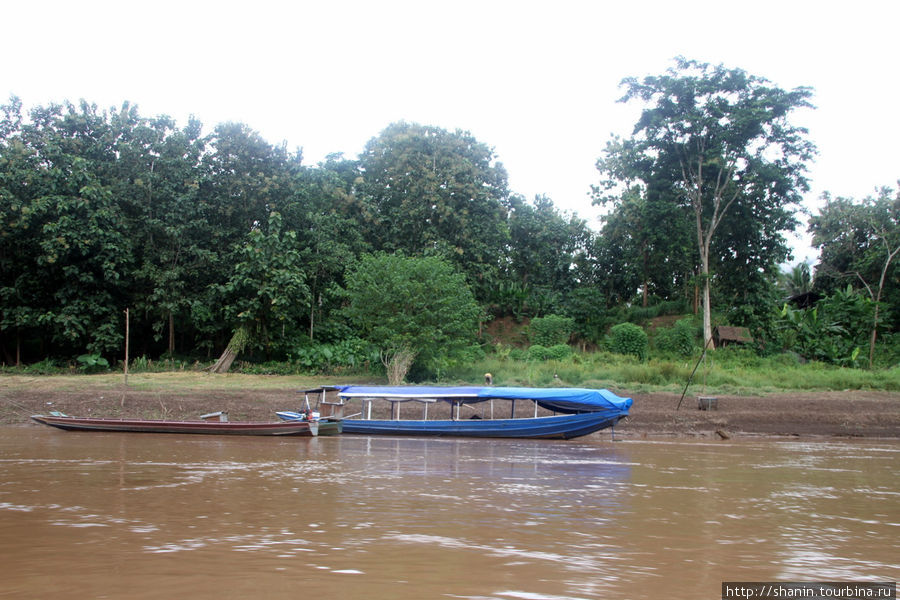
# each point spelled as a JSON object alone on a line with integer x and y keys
{"x": 6, "y": 355}
{"x": 707, "y": 310}
{"x": 887, "y": 263}
{"x": 707, "y": 313}
{"x": 224, "y": 363}
{"x": 238, "y": 341}
{"x": 171, "y": 333}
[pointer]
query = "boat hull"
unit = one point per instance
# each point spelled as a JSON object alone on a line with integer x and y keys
{"x": 327, "y": 426}
{"x": 298, "y": 428}
{"x": 553, "y": 427}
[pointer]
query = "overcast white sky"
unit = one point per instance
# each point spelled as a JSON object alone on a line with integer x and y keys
{"x": 538, "y": 81}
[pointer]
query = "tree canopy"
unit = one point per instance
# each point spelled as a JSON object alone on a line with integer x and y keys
{"x": 220, "y": 241}
{"x": 859, "y": 242}
{"x": 411, "y": 308}
{"x": 431, "y": 191}
{"x": 719, "y": 143}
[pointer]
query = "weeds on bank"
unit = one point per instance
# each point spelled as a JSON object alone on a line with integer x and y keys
{"x": 721, "y": 372}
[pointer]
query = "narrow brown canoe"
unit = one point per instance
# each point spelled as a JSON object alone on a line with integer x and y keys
{"x": 301, "y": 428}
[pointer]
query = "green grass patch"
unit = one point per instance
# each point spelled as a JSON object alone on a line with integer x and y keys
{"x": 722, "y": 372}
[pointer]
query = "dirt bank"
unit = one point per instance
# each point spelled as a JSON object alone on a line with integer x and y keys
{"x": 847, "y": 414}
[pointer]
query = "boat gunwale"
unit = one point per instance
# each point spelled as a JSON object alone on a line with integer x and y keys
{"x": 100, "y": 424}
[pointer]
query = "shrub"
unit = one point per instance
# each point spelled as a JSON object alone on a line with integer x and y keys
{"x": 559, "y": 352}
{"x": 92, "y": 363}
{"x": 350, "y": 353}
{"x": 518, "y": 354}
{"x": 48, "y": 366}
{"x": 538, "y": 352}
{"x": 678, "y": 339}
{"x": 551, "y": 330}
{"x": 628, "y": 338}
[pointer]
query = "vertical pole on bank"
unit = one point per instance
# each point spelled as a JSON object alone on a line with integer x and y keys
{"x": 127, "y": 327}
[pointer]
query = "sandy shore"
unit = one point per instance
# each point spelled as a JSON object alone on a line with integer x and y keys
{"x": 808, "y": 414}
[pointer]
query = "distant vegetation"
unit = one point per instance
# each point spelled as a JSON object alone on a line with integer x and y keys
{"x": 415, "y": 260}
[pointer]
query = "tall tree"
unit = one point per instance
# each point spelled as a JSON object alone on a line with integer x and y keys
{"x": 267, "y": 289}
{"x": 156, "y": 180}
{"x": 646, "y": 243}
{"x": 411, "y": 308}
{"x": 243, "y": 178}
{"x": 545, "y": 245}
{"x": 325, "y": 211}
{"x": 431, "y": 191}
{"x": 66, "y": 244}
{"x": 719, "y": 141}
{"x": 860, "y": 240}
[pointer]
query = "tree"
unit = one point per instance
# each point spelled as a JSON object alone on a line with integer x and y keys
{"x": 545, "y": 245}
{"x": 411, "y": 308}
{"x": 155, "y": 179}
{"x": 267, "y": 288}
{"x": 65, "y": 249}
{"x": 431, "y": 191}
{"x": 718, "y": 141}
{"x": 859, "y": 240}
{"x": 798, "y": 280}
{"x": 646, "y": 244}
{"x": 325, "y": 212}
{"x": 242, "y": 180}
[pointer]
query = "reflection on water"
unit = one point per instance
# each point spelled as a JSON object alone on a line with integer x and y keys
{"x": 143, "y": 516}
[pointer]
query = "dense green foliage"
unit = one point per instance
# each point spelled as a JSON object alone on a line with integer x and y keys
{"x": 628, "y": 338}
{"x": 404, "y": 254}
{"x": 678, "y": 340}
{"x": 713, "y": 153}
{"x": 550, "y": 330}
{"x": 411, "y": 309}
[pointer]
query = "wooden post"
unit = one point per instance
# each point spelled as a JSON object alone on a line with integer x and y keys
{"x": 127, "y": 324}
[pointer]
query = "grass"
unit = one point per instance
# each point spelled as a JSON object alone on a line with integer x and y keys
{"x": 161, "y": 382}
{"x": 723, "y": 372}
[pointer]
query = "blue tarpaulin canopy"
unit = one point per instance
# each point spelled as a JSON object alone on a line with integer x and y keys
{"x": 563, "y": 400}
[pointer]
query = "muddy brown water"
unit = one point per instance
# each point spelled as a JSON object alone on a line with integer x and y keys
{"x": 98, "y": 515}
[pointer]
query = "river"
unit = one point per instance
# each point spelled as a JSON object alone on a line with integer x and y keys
{"x": 97, "y": 515}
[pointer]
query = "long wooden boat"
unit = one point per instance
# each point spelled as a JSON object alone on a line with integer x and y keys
{"x": 297, "y": 428}
{"x": 576, "y": 412}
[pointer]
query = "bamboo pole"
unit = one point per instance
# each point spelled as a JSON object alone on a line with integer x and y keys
{"x": 127, "y": 340}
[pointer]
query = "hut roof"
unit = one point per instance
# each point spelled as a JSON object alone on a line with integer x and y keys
{"x": 733, "y": 334}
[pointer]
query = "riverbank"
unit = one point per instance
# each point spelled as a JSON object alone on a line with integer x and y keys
{"x": 868, "y": 414}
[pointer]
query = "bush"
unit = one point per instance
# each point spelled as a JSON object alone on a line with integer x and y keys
{"x": 538, "y": 352}
{"x": 678, "y": 339}
{"x": 48, "y": 366}
{"x": 551, "y": 330}
{"x": 628, "y": 338}
{"x": 559, "y": 352}
{"x": 347, "y": 354}
{"x": 93, "y": 363}
{"x": 518, "y": 354}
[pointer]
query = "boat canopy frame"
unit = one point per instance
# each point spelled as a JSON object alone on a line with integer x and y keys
{"x": 557, "y": 400}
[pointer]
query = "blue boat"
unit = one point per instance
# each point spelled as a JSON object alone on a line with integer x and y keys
{"x": 575, "y": 412}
